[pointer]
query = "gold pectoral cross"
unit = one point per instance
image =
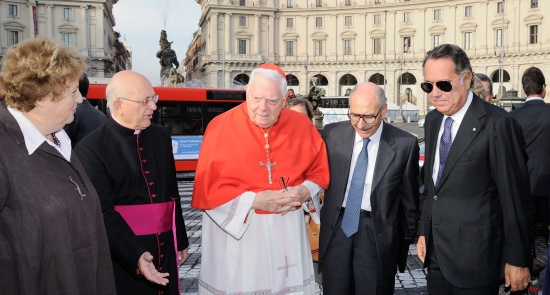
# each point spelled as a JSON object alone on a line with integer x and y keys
{"x": 268, "y": 165}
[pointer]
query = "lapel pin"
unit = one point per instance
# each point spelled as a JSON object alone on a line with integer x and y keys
{"x": 474, "y": 129}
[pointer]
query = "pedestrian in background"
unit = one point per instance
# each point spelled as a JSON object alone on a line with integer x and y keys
{"x": 475, "y": 211}
{"x": 130, "y": 162}
{"x": 258, "y": 165}
{"x": 370, "y": 212}
{"x": 534, "y": 119}
{"x": 301, "y": 105}
{"x": 52, "y": 236}
{"x": 87, "y": 118}
{"x": 488, "y": 85}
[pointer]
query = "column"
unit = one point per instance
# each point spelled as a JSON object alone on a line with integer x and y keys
{"x": 335, "y": 87}
{"x": 258, "y": 39}
{"x": 213, "y": 35}
{"x": 49, "y": 21}
{"x": 227, "y": 29}
{"x": 99, "y": 27}
{"x": 31, "y": 20}
{"x": 272, "y": 45}
{"x": 83, "y": 30}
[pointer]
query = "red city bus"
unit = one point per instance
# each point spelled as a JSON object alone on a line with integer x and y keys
{"x": 185, "y": 112}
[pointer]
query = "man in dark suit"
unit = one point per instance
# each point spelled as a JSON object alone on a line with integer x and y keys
{"x": 534, "y": 119}
{"x": 371, "y": 205}
{"x": 475, "y": 211}
{"x": 87, "y": 118}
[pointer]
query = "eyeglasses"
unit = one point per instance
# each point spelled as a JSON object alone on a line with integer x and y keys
{"x": 368, "y": 119}
{"x": 146, "y": 102}
{"x": 444, "y": 85}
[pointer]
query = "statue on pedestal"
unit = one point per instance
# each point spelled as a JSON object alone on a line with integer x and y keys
{"x": 167, "y": 56}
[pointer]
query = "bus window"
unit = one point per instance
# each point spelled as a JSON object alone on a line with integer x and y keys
{"x": 186, "y": 112}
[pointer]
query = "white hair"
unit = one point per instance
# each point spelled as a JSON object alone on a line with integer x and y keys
{"x": 272, "y": 75}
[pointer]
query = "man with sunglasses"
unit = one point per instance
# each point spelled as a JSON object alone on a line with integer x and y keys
{"x": 130, "y": 163}
{"x": 370, "y": 212}
{"x": 475, "y": 210}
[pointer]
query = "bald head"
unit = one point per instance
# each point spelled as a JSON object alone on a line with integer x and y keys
{"x": 126, "y": 93}
{"x": 123, "y": 84}
{"x": 367, "y": 108}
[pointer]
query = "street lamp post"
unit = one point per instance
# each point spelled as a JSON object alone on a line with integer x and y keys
{"x": 501, "y": 57}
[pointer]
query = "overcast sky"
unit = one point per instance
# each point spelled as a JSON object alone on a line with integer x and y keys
{"x": 140, "y": 23}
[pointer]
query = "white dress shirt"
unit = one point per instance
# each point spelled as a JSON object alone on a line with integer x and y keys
{"x": 372, "y": 150}
{"x": 34, "y": 138}
{"x": 457, "y": 120}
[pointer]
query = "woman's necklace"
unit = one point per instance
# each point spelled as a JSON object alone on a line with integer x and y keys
{"x": 268, "y": 165}
{"x": 56, "y": 140}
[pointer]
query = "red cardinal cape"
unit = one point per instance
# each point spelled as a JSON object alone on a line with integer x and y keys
{"x": 233, "y": 147}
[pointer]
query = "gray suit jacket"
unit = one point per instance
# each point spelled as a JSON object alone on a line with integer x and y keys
{"x": 394, "y": 196}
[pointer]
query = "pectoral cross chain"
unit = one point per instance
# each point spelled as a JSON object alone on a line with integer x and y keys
{"x": 268, "y": 165}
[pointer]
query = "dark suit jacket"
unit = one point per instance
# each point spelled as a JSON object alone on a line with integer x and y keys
{"x": 534, "y": 119}
{"x": 86, "y": 119}
{"x": 394, "y": 196}
{"x": 479, "y": 216}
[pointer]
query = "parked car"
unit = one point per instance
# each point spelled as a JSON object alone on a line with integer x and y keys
{"x": 421, "y": 123}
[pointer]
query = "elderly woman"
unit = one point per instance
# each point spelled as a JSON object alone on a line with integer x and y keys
{"x": 52, "y": 235}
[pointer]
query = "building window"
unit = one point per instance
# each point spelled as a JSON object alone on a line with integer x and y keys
{"x": 12, "y": 10}
{"x": 500, "y": 7}
{"x": 242, "y": 21}
{"x": 376, "y": 1}
{"x": 437, "y": 14}
{"x": 347, "y": 3}
{"x": 348, "y": 46}
{"x": 407, "y": 18}
{"x": 406, "y": 44}
{"x": 468, "y": 11}
{"x": 319, "y": 3}
{"x": 468, "y": 40}
{"x": 68, "y": 39}
{"x": 318, "y": 47}
{"x": 290, "y": 22}
{"x": 68, "y": 13}
{"x": 289, "y": 3}
{"x": 319, "y": 22}
{"x": 242, "y": 46}
{"x": 13, "y": 37}
{"x": 347, "y": 21}
{"x": 377, "y": 45}
{"x": 534, "y": 3}
{"x": 499, "y": 37}
{"x": 533, "y": 34}
{"x": 289, "y": 50}
{"x": 242, "y": 2}
{"x": 437, "y": 40}
{"x": 377, "y": 19}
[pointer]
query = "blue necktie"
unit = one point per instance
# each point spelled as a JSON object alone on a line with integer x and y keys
{"x": 350, "y": 221}
{"x": 444, "y": 147}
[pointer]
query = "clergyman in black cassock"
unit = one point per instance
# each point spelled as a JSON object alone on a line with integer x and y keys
{"x": 134, "y": 165}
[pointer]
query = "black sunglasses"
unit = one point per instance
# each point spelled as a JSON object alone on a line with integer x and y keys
{"x": 445, "y": 86}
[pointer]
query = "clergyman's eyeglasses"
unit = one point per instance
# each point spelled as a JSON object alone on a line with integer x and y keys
{"x": 146, "y": 102}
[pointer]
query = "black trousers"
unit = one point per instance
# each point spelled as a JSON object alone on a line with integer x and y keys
{"x": 438, "y": 285}
{"x": 351, "y": 265}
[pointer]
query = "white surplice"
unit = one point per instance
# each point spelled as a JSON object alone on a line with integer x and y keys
{"x": 248, "y": 253}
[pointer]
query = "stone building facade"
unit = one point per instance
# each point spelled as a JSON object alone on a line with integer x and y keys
{"x": 339, "y": 43}
{"x": 85, "y": 25}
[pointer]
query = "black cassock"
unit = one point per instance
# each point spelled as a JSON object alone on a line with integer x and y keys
{"x": 133, "y": 169}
